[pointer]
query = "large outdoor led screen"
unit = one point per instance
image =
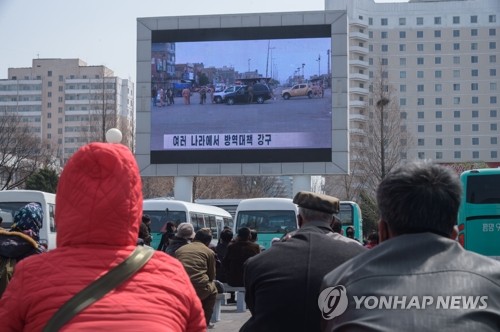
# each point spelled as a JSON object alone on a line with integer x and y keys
{"x": 241, "y": 95}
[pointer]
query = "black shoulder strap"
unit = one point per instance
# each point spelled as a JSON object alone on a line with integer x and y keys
{"x": 99, "y": 288}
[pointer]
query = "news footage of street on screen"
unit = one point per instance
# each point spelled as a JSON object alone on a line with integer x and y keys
{"x": 221, "y": 129}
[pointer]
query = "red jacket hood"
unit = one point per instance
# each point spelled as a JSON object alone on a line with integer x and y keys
{"x": 99, "y": 197}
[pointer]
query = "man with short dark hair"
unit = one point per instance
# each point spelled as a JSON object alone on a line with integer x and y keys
{"x": 237, "y": 254}
{"x": 282, "y": 283}
{"x": 199, "y": 261}
{"x": 417, "y": 265}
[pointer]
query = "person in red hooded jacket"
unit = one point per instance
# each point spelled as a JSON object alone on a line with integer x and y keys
{"x": 98, "y": 213}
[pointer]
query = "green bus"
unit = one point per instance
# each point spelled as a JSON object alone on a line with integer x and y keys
{"x": 479, "y": 213}
{"x": 350, "y": 216}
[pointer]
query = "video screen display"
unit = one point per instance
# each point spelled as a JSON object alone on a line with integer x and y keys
{"x": 242, "y": 95}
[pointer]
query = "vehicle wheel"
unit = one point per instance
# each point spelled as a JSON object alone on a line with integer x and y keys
{"x": 218, "y": 100}
{"x": 230, "y": 101}
{"x": 260, "y": 100}
{"x": 286, "y": 96}
{"x": 310, "y": 94}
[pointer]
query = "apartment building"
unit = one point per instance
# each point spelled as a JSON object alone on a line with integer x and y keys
{"x": 442, "y": 60}
{"x": 63, "y": 101}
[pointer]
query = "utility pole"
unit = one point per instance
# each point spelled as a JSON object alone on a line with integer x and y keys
{"x": 380, "y": 104}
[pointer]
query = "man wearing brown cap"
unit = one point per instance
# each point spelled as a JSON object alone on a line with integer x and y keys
{"x": 283, "y": 283}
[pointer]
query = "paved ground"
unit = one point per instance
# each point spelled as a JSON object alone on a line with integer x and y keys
{"x": 230, "y": 320}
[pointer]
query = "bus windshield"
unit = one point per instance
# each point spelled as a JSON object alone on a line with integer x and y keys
{"x": 483, "y": 189}
{"x": 271, "y": 221}
{"x": 159, "y": 219}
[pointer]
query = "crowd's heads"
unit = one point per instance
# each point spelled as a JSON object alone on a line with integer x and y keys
{"x": 226, "y": 235}
{"x": 336, "y": 225}
{"x": 29, "y": 220}
{"x": 146, "y": 219}
{"x": 317, "y": 207}
{"x": 244, "y": 233}
{"x": 204, "y": 235}
{"x": 420, "y": 197}
{"x": 170, "y": 227}
{"x": 185, "y": 230}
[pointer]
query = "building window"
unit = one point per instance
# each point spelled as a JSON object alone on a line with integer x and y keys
{"x": 437, "y": 47}
{"x": 473, "y": 46}
{"x": 420, "y": 115}
{"x": 384, "y": 21}
{"x": 420, "y": 87}
{"x": 494, "y": 154}
{"x": 475, "y": 114}
{"x": 402, "y": 61}
{"x": 370, "y": 20}
{"x": 421, "y": 155}
{"x": 456, "y": 19}
{"x": 49, "y": 105}
{"x": 402, "y": 101}
{"x": 456, "y": 33}
{"x": 402, "y": 88}
{"x": 456, "y": 114}
{"x": 49, "y": 125}
{"x": 49, "y": 73}
{"x": 456, "y": 60}
{"x": 438, "y": 87}
{"x": 494, "y": 140}
{"x": 49, "y": 83}
{"x": 456, "y": 73}
{"x": 475, "y": 154}
{"x": 420, "y": 61}
{"x": 473, "y": 19}
{"x": 493, "y": 127}
{"x": 420, "y": 74}
{"x": 384, "y": 61}
{"x": 420, "y": 101}
{"x": 439, "y": 128}
{"x": 439, "y": 141}
{"x": 492, "y": 18}
{"x": 383, "y": 34}
{"x": 49, "y": 115}
{"x": 437, "y": 74}
{"x": 456, "y": 87}
{"x": 456, "y": 46}
{"x": 402, "y": 47}
{"x": 439, "y": 155}
{"x": 402, "y": 21}
{"x": 437, "y": 20}
{"x": 437, "y": 33}
{"x": 493, "y": 113}
{"x": 456, "y": 127}
{"x": 475, "y": 100}
{"x": 402, "y": 34}
{"x": 439, "y": 114}
{"x": 457, "y": 154}
{"x": 421, "y": 142}
{"x": 402, "y": 74}
{"x": 49, "y": 94}
{"x": 437, "y": 60}
{"x": 420, "y": 128}
{"x": 420, "y": 47}
{"x": 474, "y": 73}
{"x": 473, "y": 32}
{"x": 493, "y": 58}
{"x": 475, "y": 127}
{"x": 457, "y": 141}
{"x": 420, "y": 34}
{"x": 474, "y": 59}
{"x": 493, "y": 100}
{"x": 420, "y": 21}
{"x": 492, "y": 32}
{"x": 474, "y": 86}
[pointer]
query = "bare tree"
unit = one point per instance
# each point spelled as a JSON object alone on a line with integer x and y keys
{"x": 158, "y": 186}
{"x": 21, "y": 152}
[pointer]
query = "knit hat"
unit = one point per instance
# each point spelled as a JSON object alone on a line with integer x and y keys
{"x": 185, "y": 230}
{"x": 29, "y": 218}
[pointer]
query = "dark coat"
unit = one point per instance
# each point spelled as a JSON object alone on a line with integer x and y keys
{"x": 236, "y": 255}
{"x": 175, "y": 244}
{"x": 417, "y": 266}
{"x": 283, "y": 283}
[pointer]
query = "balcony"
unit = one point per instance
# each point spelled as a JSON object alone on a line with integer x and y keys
{"x": 358, "y": 49}
{"x": 358, "y": 63}
{"x": 356, "y": 131}
{"x": 357, "y": 103}
{"x": 358, "y": 118}
{"x": 358, "y": 77}
{"x": 358, "y": 22}
{"x": 359, "y": 91}
{"x": 358, "y": 36}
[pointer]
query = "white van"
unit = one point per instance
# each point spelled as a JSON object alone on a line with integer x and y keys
{"x": 162, "y": 211}
{"x": 12, "y": 200}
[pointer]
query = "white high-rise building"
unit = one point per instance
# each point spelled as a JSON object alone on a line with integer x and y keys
{"x": 63, "y": 101}
{"x": 442, "y": 60}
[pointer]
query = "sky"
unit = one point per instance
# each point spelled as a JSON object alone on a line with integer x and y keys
{"x": 103, "y": 32}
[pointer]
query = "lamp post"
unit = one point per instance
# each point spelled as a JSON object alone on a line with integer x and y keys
{"x": 249, "y": 64}
{"x": 303, "y": 69}
{"x": 380, "y": 104}
{"x": 319, "y": 64}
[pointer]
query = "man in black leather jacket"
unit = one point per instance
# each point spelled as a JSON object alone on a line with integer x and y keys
{"x": 418, "y": 278}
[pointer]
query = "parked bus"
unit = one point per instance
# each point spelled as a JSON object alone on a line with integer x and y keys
{"x": 228, "y": 204}
{"x": 270, "y": 217}
{"x": 350, "y": 215}
{"x": 479, "y": 213}
{"x": 162, "y": 211}
{"x": 12, "y": 200}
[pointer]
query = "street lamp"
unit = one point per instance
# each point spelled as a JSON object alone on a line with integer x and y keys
{"x": 319, "y": 64}
{"x": 380, "y": 104}
{"x": 249, "y": 64}
{"x": 303, "y": 69}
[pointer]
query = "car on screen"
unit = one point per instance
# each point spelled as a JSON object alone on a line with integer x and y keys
{"x": 261, "y": 93}
{"x": 219, "y": 96}
{"x": 298, "y": 90}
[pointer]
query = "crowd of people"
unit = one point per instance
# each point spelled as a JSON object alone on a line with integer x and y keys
{"x": 314, "y": 279}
